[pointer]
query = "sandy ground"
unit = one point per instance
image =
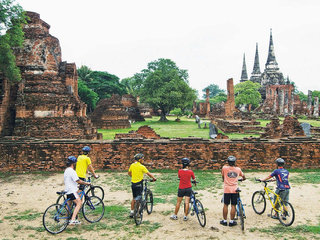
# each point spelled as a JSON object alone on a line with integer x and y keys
{"x": 30, "y": 193}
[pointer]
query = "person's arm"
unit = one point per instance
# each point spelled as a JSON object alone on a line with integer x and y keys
{"x": 222, "y": 175}
{"x": 267, "y": 178}
{"x": 130, "y": 173}
{"x": 79, "y": 181}
{"x": 150, "y": 175}
{"x": 92, "y": 171}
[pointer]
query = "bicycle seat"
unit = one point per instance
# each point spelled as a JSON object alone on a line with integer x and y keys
{"x": 195, "y": 193}
{"x": 61, "y": 193}
{"x": 238, "y": 190}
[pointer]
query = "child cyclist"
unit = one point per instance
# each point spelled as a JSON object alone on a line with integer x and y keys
{"x": 230, "y": 174}
{"x": 185, "y": 188}
{"x": 136, "y": 172}
{"x": 71, "y": 181}
{"x": 282, "y": 176}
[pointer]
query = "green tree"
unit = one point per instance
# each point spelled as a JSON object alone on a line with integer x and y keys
{"x": 302, "y": 96}
{"x": 84, "y": 73}
{"x": 247, "y": 93}
{"x": 315, "y": 93}
{"x": 105, "y": 84}
{"x": 214, "y": 90}
{"x": 12, "y": 18}
{"x": 87, "y": 95}
{"x": 221, "y": 97}
{"x": 165, "y": 87}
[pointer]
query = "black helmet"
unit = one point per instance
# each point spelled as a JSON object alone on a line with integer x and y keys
{"x": 185, "y": 161}
{"x": 232, "y": 159}
{"x": 138, "y": 156}
{"x": 280, "y": 161}
{"x": 72, "y": 159}
{"x": 86, "y": 149}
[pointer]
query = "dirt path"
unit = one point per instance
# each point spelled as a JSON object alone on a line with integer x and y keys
{"x": 34, "y": 194}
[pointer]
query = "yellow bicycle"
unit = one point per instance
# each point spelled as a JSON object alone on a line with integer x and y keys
{"x": 281, "y": 209}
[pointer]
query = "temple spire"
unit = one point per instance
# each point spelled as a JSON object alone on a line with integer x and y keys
{"x": 271, "y": 61}
{"x": 256, "y": 65}
{"x": 244, "y": 75}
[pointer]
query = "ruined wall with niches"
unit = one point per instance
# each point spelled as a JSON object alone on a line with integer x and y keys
{"x": 21, "y": 154}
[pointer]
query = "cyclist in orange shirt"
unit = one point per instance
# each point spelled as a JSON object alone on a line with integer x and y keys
{"x": 230, "y": 174}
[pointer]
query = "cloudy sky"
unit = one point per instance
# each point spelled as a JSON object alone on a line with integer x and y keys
{"x": 206, "y": 37}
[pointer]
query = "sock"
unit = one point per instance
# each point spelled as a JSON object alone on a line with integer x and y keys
{"x": 224, "y": 221}
{"x": 131, "y": 211}
{"x": 231, "y": 221}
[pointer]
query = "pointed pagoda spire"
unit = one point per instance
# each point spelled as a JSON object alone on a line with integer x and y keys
{"x": 244, "y": 75}
{"x": 256, "y": 65}
{"x": 271, "y": 61}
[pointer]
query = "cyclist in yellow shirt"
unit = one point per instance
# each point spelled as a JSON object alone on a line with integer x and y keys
{"x": 136, "y": 172}
{"x": 83, "y": 164}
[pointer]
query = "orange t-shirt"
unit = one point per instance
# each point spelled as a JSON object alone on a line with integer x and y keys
{"x": 231, "y": 174}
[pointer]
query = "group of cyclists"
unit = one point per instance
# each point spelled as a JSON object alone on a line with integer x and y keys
{"x": 76, "y": 170}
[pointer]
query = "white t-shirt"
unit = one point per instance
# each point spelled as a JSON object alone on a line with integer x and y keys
{"x": 70, "y": 180}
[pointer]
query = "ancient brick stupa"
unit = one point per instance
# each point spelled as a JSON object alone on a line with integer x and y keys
{"x": 47, "y": 104}
{"x": 110, "y": 113}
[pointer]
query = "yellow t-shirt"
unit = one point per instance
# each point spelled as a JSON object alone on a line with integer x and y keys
{"x": 137, "y": 170}
{"x": 82, "y": 164}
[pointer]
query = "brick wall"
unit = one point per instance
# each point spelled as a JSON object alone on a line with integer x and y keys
{"x": 20, "y": 154}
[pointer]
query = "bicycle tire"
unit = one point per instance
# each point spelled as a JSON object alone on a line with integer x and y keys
{"x": 61, "y": 199}
{"x": 95, "y": 191}
{"x": 286, "y": 214}
{"x": 258, "y": 202}
{"x": 138, "y": 212}
{"x": 240, "y": 206}
{"x": 201, "y": 215}
{"x": 93, "y": 209}
{"x": 55, "y": 221}
{"x": 149, "y": 202}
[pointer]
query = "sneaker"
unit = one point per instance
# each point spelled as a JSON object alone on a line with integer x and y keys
{"x": 74, "y": 222}
{"x": 231, "y": 224}
{"x": 131, "y": 214}
{"x": 174, "y": 217}
{"x": 185, "y": 218}
{"x": 275, "y": 217}
{"x": 223, "y": 222}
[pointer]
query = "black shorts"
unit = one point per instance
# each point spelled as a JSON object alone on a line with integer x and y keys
{"x": 230, "y": 197}
{"x": 137, "y": 189}
{"x": 72, "y": 196}
{"x": 81, "y": 186}
{"x": 184, "y": 192}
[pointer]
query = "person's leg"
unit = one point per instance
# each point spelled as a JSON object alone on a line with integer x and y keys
{"x": 179, "y": 200}
{"x": 225, "y": 211}
{"x": 232, "y": 212}
{"x": 76, "y": 209}
{"x": 132, "y": 204}
{"x": 186, "y": 202}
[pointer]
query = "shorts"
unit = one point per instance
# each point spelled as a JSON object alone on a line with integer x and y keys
{"x": 230, "y": 197}
{"x": 81, "y": 186}
{"x": 184, "y": 192}
{"x": 137, "y": 189}
{"x": 73, "y": 196}
{"x": 284, "y": 194}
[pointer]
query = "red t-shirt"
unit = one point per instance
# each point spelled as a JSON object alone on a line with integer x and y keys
{"x": 185, "y": 176}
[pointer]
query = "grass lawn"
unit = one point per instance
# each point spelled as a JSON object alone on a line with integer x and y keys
{"x": 185, "y": 128}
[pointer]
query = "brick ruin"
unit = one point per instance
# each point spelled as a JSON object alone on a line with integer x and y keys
{"x": 143, "y": 132}
{"x": 49, "y": 155}
{"x": 131, "y": 105}
{"x": 110, "y": 113}
{"x": 45, "y": 104}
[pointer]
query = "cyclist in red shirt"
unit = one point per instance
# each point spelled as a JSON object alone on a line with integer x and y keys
{"x": 185, "y": 187}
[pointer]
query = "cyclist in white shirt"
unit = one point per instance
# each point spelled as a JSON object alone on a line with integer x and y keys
{"x": 71, "y": 181}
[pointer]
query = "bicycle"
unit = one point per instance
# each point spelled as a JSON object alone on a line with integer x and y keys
{"x": 195, "y": 206}
{"x": 92, "y": 191}
{"x": 145, "y": 201}
{"x": 281, "y": 209}
{"x": 240, "y": 209}
{"x": 56, "y": 217}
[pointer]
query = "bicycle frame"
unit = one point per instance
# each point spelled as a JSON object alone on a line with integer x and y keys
{"x": 239, "y": 203}
{"x": 277, "y": 201}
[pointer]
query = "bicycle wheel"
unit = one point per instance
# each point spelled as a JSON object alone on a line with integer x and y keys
{"x": 138, "y": 212}
{"x": 200, "y": 213}
{"x": 258, "y": 202}
{"x": 96, "y": 191}
{"x": 93, "y": 209}
{"x": 286, "y": 214}
{"x": 241, "y": 216}
{"x": 61, "y": 199}
{"x": 56, "y": 218}
{"x": 149, "y": 202}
